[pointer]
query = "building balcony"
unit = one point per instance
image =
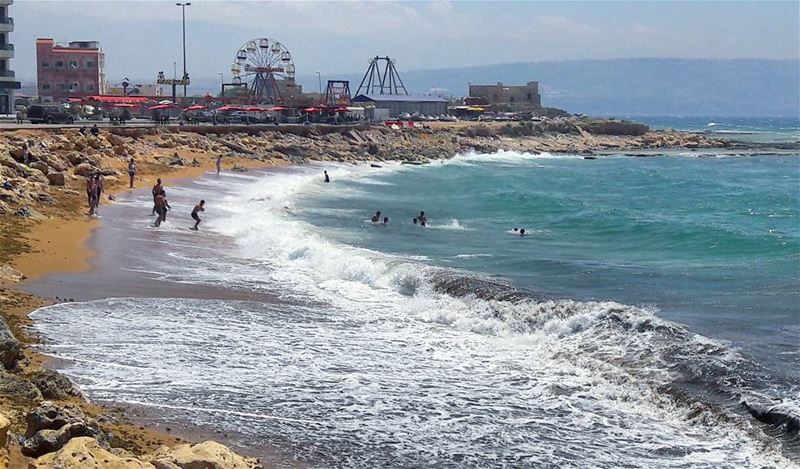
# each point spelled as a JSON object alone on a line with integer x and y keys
{"x": 6, "y": 2}
{"x": 7, "y": 75}
{"x": 6, "y": 51}
{"x": 6, "y": 25}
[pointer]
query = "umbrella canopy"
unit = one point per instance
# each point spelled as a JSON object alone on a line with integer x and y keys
{"x": 163, "y": 106}
{"x": 123, "y": 105}
{"x": 255, "y": 109}
{"x": 165, "y": 101}
{"x": 229, "y": 108}
{"x": 195, "y": 107}
{"x": 341, "y": 109}
{"x": 278, "y": 108}
{"x": 118, "y": 99}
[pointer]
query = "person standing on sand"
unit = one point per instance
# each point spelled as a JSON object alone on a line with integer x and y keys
{"x": 198, "y": 208}
{"x": 156, "y": 192}
{"x": 327, "y": 178}
{"x": 131, "y": 171}
{"x": 219, "y": 164}
{"x": 91, "y": 193}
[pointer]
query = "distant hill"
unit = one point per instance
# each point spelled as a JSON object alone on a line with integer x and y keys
{"x": 686, "y": 87}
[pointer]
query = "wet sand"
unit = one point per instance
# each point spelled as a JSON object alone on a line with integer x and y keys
{"x": 115, "y": 245}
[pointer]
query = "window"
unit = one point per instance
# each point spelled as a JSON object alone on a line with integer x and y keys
{"x": 89, "y": 64}
{"x": 73, "y": 64}
{"x": 45, "y": 64}
{"x": 90, "y": 87}
{"x": 74, "y": 87}
{"x": 530, "y": 96}
{"x": 59, "y": 64}
{"x": 46, "y": 86}
{"x": 511, "y": 99}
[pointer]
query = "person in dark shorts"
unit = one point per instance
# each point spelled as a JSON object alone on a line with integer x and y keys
{"x": 157, "y": 188}
{"x": 198, "y": 208}
{"x": 161, "y": 207}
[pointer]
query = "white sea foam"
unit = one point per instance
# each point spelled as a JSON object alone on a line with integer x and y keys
{"x": 392, "y": 371}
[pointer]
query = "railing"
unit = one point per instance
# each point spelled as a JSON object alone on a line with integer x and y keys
{"x": 6, "y": 46}
{"x": 7, "y": 20}
{"x": 7, "y": 73}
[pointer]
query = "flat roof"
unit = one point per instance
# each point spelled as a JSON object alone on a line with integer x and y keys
{"x": 399, "y": 98}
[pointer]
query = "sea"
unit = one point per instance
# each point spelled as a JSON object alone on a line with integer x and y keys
{"x": 650, "y": 316}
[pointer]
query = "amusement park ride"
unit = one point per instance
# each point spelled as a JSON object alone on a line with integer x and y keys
{"x": 259, "y": 66}
{"x": 382, "y": 76}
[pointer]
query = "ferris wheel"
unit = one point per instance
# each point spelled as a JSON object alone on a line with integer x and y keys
{"x": 260, "y": 63}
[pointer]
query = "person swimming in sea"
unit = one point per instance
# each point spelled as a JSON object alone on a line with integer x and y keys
{"x": 385, "y": 221}
{"x": 414, "y": 221}
{"x": 423, "y": 220}
{"x": 522, "y": 231}
{"x": 198, "y": 208}
{"x": 377, "y": 217}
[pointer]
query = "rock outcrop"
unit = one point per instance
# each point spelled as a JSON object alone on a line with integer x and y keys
{"x": 5, "y": 426}
{"x": 10, "y": 347}
{"x": 84, "y": 453}
{"x": 54, "y": 385}
{"x": 206, "y": 455}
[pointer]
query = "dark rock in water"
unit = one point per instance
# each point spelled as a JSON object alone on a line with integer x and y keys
{"x": 49, "y": 416}
{"x": 781, "y": 416}
{"x": 54, "y": 385}
{"x": 373, "y": 165}
{"x": 47, "y": 441}
{"x": 10, "y": 347}
{"x": 239, "y": 169}
{"x": 13, "y": 385}
{"x": 589, "y": 157}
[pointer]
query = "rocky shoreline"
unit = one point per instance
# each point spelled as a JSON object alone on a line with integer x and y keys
{"x": 44, "y": 419}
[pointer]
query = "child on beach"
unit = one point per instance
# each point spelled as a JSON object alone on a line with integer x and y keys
{"x": 198, "y": 208}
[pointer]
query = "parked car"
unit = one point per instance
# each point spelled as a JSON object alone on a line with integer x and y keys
{"x": 39, "y": 114}
{"x": 235, "y": 117}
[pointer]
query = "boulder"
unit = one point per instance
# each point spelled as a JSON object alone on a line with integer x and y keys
{"x": 10, "y": 347}
{"x": 176, "y": 161}
{"x": 206, "y": 455}
{"x": 75, "y": 158}
{"x": 84, "y": 169}
{"x": 41, "y": 166}
{"x": 85, "y": 452}
{"x": 55, "y": 162}
{"x": 56, "y": 179}
{"x": 47, "y": 441}
{"x": 49, "y": 416}
{"x": 114, "y": 139}
{"x": 54, "y": 385}
{"x": 5, "y": 425}
{"x": 13, "y": 385}
{"x": 372, "y": 149}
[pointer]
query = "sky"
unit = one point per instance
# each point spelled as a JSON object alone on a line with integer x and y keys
{"x": 141, "y": 38}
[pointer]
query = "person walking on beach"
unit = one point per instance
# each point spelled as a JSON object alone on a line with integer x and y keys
{"x": 91, "y": 194}
{"x": 157, "y": 188}
{"x": 219, "y": 164}
{"x": 198, "y": 208}
{"x": 327, "y": 178}
{"x": 131, "y": 171}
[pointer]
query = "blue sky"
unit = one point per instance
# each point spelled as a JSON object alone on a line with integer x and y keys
{"x": 142, "y": 37}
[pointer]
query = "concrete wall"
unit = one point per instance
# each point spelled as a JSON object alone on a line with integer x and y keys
{"x": 398, "y": 107}
{"x": 525, "y": 96}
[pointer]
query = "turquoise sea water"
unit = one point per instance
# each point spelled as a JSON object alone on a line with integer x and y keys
{"x": 710, "y": 242}
{"x": 650, "y": 315}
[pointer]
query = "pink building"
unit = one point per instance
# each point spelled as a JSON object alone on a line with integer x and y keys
{"x": 72, "y": 70}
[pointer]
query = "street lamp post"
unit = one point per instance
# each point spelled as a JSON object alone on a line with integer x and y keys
{"x": 183, "y": 6}
{"x": 319, "y": 79}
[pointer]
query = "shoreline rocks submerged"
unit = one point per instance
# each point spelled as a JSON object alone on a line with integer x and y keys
{"x": 48, "y": 180}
